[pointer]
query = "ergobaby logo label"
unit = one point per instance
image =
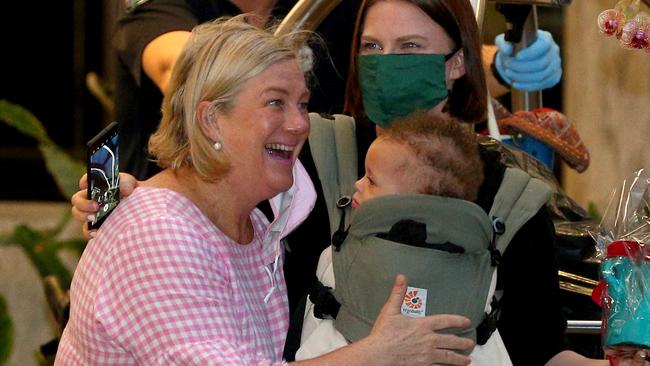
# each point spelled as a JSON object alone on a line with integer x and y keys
{"x": 415, "y": 302}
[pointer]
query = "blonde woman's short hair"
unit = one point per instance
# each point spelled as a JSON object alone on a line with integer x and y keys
{"x": 218, "y": 59}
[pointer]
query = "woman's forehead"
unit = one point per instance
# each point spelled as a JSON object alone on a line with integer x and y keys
{"x": 395, "y": 19}
{"x": 283, "y": 76}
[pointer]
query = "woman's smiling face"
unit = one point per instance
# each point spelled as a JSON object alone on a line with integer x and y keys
{"x": 266, "y": 128}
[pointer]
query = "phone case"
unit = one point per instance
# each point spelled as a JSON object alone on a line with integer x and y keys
{"x": 103, "y": 172}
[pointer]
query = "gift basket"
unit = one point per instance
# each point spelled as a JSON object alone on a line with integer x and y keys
{"x": 623, "y": 244}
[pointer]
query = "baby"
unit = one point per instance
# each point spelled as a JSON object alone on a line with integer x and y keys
{"x": 422, "y": 154}
{"x": 412, "y": 214}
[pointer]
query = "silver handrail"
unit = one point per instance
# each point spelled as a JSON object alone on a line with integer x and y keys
{"x": 583, "y": 326}
{"x": 479, "y": 12}
{"x": 306, "y": 15}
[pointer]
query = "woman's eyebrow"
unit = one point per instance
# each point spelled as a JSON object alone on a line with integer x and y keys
{"x": 284, "y": 91}
{"x": 368, "y": 38}
{"x": 410, "y": 37}
{"x": 276, "y": 89}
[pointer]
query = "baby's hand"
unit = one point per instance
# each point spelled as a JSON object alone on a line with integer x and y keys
{"x": 83, "y": 209}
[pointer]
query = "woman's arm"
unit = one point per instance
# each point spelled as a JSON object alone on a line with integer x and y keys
{"x": 159, "y": 56}
{"x": 570, "y": 358}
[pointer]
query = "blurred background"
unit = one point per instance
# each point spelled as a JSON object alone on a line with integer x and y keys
{"x": 53, "y": 51}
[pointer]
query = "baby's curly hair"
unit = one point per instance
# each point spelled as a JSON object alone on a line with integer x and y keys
{"x": 447, "y": 150}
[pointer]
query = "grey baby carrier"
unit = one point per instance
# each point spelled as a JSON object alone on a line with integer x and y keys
{"x": 451, "y": 248}
{"x": 441, "y": 244}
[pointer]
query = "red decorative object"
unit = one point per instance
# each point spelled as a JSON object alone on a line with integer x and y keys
{"x": 550, "y": 127}
{"x": 611, "y": 22}
{"x": 636, "y": 32}
{"x": 628, "y": 23}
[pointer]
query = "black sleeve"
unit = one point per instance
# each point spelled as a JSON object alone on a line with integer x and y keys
{"x": 136, "y": 29}
{"x": 531, "y": 323}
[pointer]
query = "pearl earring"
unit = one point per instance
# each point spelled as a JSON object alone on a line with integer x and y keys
{"x": 217, "y": 146}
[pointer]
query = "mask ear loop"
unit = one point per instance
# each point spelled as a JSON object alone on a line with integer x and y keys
{"x": 448, "y": 57}
{"x": 452, "y": 53}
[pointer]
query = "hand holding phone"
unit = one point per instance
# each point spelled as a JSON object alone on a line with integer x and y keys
{"x": 103, "y": 173}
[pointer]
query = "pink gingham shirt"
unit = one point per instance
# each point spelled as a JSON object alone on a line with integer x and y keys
{"x": 161, "y": 285}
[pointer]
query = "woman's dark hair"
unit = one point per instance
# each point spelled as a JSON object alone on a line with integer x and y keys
{"x": 468, "y": 98}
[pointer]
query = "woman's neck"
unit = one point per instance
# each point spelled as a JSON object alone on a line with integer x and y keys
{"x": 222, "y": 203}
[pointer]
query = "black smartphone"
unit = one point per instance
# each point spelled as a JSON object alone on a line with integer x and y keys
{"x": 104, "y": 172}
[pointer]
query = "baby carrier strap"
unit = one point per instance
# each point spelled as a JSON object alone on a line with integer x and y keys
{"x": 518, "y": 199}
{"x": 333, "y": 146}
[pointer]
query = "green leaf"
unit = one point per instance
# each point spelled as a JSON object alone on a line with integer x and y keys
{"x": 6, "y": 333}
{"x": 41, "y": 250}
{"x": 65, "y": 170}
{"x": 77, "y": 245}
{"x": 23, "y": 120}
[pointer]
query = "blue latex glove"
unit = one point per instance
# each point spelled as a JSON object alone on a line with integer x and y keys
{"x": 536, "y": 67}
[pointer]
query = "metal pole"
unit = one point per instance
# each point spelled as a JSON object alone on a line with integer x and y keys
{"x": 521, "y": 100}
{"x": 583, "y": 326}
{"x": 479, "y": 12}
{"x": 306, "y": 15}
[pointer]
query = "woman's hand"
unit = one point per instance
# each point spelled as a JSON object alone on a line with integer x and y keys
{"x": 83, "y": 208}
{"x": 413, "y": 341}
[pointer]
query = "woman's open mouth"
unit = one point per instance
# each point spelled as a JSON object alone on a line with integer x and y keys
{"x": 279, "y": 151}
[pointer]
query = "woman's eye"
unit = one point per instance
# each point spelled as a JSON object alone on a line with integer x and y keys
{"x": 370, "y": 46}
{"x": 410, "y": 45}
{"x": 276, "y": 102}
{"x": 303, "y": 106}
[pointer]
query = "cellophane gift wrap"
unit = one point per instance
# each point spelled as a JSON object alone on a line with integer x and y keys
{"x": 623, "y": 244}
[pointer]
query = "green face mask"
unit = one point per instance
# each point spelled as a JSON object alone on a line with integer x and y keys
{"x": 395, "y": 85}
